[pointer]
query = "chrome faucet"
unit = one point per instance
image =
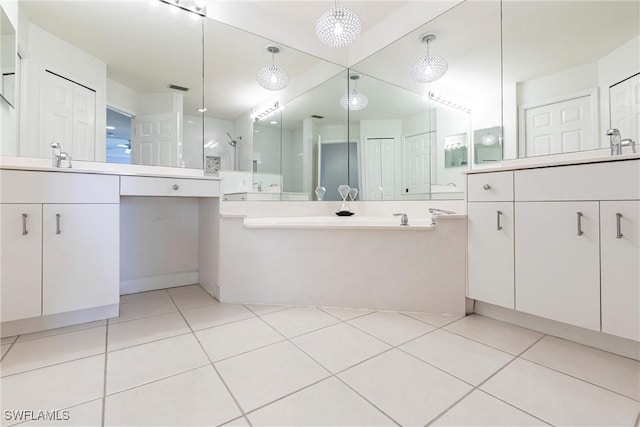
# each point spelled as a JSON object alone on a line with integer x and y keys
{"x": 404, "y": 219}
{"x": 59, "y": 155}
{"x": 616, "y": 142}
{"x": 257, "y": 184}
{"x": 437, "y": 211}
{"x": 626, "y": 142}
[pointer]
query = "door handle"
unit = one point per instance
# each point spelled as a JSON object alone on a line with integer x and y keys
{"x": 498, "y": 224}
{"x": 579, "y": 220}
{"x": 58, "y": 231}
{"x": 24, "y": 224}
{"x": 618, "y": 227}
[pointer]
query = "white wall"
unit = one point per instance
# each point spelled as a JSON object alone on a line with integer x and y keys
{"x": 122, "y": 98}
{"x": 450, "y": 122}
{"x": 613, "y": 68}
{"x": 9, "y": 116}
{"x": 292, "y": 161}
{"x": 150, "y": 227}
{"x": 45, "y": 51}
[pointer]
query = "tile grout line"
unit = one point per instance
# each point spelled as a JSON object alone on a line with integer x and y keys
{"x": 209, "y": 358}
{"x": 331, "y": 374}
{"x": 637, "y": 423}
{"x": 580, "y": 379}
{"x": 17, "y": 341}
{"x": 104, "y": 382}
{"x": 515, "y": 357}
{"x": 11, "y": 344}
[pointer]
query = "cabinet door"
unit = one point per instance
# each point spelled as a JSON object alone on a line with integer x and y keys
{"x": 21, "y": 254}
{"x": 490, "y": 252}
{"x": 81, "y": 245}
{"x": 620, "y": 263}
{"x": 557, "y": 267}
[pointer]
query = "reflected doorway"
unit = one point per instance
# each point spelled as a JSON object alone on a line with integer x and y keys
{"x": 118, "y": 137}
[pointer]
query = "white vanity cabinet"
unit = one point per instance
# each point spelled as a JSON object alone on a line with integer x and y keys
{"x": 69, "y": 258}
{"x": 21, "y": 254}
{"x": 557, "y": 261}
{"x": 620, "y": 267}
{"x": 576, "y": 234}
{"x": 490, "y": 236}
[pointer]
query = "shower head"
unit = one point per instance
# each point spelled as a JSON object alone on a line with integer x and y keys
{"x": 233, "y": 142}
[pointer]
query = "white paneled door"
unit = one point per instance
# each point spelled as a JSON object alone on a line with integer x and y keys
{"x": 624, "y": 101}
{"x": 416, "y": 164}
{"x": 69, "y": 117}
{"x": 156, "y": 140}
{"x": 561, "y": 126}
{"x": 379, "y": 169}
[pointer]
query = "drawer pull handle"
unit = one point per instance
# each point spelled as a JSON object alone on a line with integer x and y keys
{"x": 176, "y": 187}
{"x": 618, "y": 228}
{"x": 486, "y": 187}
{"x": 579, "y": 218}
{"x": 498, "y": 224}
{"x": 58, "y": 231}
{"x": 24, "y": 224}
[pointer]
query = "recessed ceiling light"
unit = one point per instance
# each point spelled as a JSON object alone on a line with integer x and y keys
{"x": 202, "y": 110}
{"x": 273, "y": 122}
{"x": 189, "y": 121}
{"x": 111, "y": 128}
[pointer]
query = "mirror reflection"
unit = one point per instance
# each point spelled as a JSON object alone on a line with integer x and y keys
{"x": 7, "y": 59}
{"x": 566, "y": 85}
{"x": 120, "y": 92}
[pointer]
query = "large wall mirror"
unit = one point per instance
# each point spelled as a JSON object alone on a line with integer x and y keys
{"x": 8, "y": 58}
{"x": 394, "y": 138}
{"x": 111, "y": 82}
{"x": 571, "y": 71}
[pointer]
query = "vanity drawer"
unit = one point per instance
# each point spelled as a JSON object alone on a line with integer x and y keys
{"x": 618, "y": 180}
{"x": 176, "y": 187}
{"x": 20, "y": 186}
{"x": 490, "y": 187}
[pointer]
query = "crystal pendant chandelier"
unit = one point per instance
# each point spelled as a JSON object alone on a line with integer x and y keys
{"x": 272, "y": 77}
{"x": 428, "y": 68}
{"x": 338, "y": 27}
{"x": 354, "y": 100}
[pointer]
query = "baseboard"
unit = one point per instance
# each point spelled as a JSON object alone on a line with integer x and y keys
{"x": 159, "y": 281}
{"x": 52, "y": 321}
{"x": 602, "y": 341}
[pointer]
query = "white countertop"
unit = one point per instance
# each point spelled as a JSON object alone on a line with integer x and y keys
{"x": 44, "y": 165}
{"x": 531, "y": 163}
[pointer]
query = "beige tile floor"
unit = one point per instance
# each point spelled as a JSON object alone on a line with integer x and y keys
{"x": 179, "y": 357}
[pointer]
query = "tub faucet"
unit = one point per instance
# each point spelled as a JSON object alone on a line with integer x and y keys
{"x": 436, "y": 211}
{"x": 257, "y": 184}
{"x": 616, "y": 142}
{"x": 404, "y": 219}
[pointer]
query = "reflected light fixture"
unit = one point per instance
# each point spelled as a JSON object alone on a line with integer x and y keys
{"x": 267, "y": 111}
{"x": 448, "y": 102}
{"x": 428, "y": 68}
{"x": 272, "y": 77}
{"x": 338, "y": 26}
{"x": 195, "y": 6}
{"x": 489, "y": 139}
{"x": 354, "y": 100}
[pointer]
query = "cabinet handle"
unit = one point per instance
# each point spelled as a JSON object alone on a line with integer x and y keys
{"x": 175, "y": 186}
{"x": 498, "y": 225}
{"x": 24, "y": 224}
{"x": 579, "y": 218}
{"x": 618, "y": 228}
{"x": 486, "y": 187}
{"x": 58, "y": 231}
